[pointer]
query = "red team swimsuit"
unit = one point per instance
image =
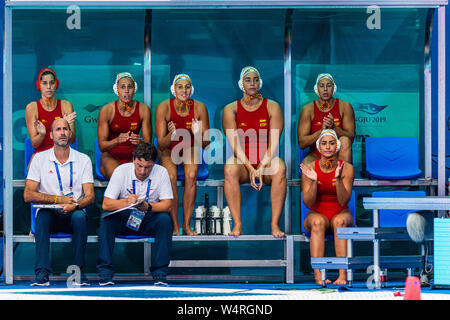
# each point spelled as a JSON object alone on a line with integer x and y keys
{"x": 47, "y": 117}
{"x": 182, "y": 123}
{"x": 123, "y": 152}
{"x": 326, "y": 199}
{"x": 258, "y": 121}
{"x": 318, "y": 118}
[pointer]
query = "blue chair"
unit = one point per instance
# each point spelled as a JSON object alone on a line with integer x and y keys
{"x": 58, "y": 235}
{"x": 29, "y": 151}
{"x": 304, "y": 211}
{"x": 395, "y": 218}
{"x": 302, "y": 153}
{"x": 97, "y": 155}
{"x": 392, "y": 157}
{"x": 202, "y": 173}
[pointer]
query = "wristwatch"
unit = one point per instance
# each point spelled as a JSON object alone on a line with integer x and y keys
{"x": 149, "y": 207}
{"x": 77, "y": 206}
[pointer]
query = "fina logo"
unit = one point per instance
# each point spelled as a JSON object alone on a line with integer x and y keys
{"x": 369, "y": 108}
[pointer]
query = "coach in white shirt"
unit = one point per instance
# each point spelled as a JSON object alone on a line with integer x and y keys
{"x": 62, "y": 176}
{"x": 140, "y": 179}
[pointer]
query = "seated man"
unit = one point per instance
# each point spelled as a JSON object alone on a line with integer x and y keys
{"x": 60, "y": 175}
{"x": 130, "y": 183}
{"x": 326, "y": 113}
{"x": 260, "y": 121}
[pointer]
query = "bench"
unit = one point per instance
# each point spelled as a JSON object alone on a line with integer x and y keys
{"x": 287, "y": 263}
{"x": 288, "y": 260}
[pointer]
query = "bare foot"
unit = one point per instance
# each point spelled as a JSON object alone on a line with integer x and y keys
{"x": 189, "y": 232}
{"x": 236, "y": 232}
{"x": 276, "y": 232}
{"x": 318, "y": 278}
{"x": 342, "y": 279}
{"x": 176, "y": 231}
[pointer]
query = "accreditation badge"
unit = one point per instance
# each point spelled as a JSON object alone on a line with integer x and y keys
{"x": 135, "y": 219}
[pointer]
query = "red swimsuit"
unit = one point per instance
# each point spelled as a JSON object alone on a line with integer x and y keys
{"x": 254, "y": 131}
{"x": 47, "y": 117}
{"x": 318, "y": 118}
{"x": 123, "y": 152}
{"x": 182, "y": 123}
{"x": 326, "y": 200}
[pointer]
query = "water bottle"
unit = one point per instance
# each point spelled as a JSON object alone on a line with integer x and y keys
{"x": 207, "y": 215}
{"x": 227, "y": 221}
{"x": 216, "y": 221}
{"x": 199, "y": 219}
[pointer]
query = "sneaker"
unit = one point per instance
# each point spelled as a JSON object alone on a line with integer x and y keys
{"x": 160, "y": 282}
{"x": 106, "y": 281}
{"x": 40, "y": 280}
{"x": 83, "y": 281}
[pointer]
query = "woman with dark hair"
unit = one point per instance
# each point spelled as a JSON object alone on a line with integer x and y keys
{"x": 327, "y": 188}
{"x": 40, "y": 114}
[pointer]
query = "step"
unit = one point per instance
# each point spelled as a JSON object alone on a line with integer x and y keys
{"x": 392, "y": 233}
{"x": 390, "y": 262}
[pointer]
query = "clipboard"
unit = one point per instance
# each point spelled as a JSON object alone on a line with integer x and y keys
{"x": 107, "y": 214}
{"x": 48, "y": 206}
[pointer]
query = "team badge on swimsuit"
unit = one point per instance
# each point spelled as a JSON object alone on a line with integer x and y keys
{"x": 133, "y": 126}
{"x": 262, "y": 123}
{"x": 333, "y": 182}
{"x": 189, "y": 125}
{"x": 337, "y": 123}
{"x": 243, "y": 124}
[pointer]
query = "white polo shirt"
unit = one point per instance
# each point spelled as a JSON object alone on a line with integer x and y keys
{"x": 124, "y": 175}
{"x": 42, "y": 169}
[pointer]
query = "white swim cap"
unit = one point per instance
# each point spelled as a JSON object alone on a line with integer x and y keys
{"x": 244, "y": 72}
{"x": 329, "y": 132}
{"x": 179, "y": 77}
{"x": 324, "y": 76}
{"x": 121, "y": 76}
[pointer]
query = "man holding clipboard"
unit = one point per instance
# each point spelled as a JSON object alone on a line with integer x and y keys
{"x": 61, "y": 182}
{"x": 137, "y": 201}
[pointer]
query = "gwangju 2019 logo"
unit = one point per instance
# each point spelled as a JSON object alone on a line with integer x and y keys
{"x": 371, "y": 109}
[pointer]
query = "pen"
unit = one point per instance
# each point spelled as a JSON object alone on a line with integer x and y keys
{"x": 129, "y": 191}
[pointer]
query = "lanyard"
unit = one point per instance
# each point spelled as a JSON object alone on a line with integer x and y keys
{"x": 59, "y": 177}
{"x": 148, "y": 188}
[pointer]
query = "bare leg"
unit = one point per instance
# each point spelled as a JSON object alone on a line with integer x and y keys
{"x": 190, "y": 191}
{"x": 345, "y": 153}
{"x": 234, "y": 174}
{"x": 310, "y": 158}
{"x": 166, "y": 162}
{"x": 317, "y": 224}
{"x": 107, "y": 165}
{"x": 277, "y": 194}
{"x": 341, "y": 220}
